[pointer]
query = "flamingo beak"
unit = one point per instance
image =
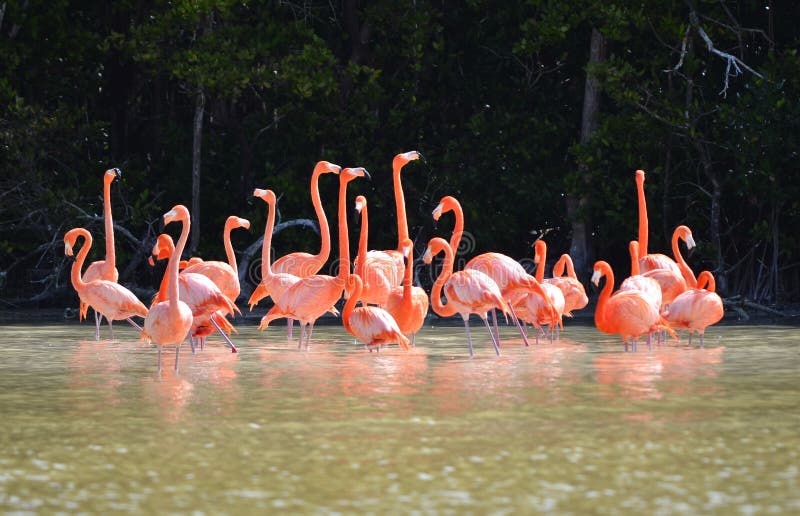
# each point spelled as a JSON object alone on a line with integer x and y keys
{"x": 366, "y": 174}
{"x": 118, "y": 173}
{"x": 335, "y": 169}
{"x": 596, "y": 278}
{"x": 67, "y": 249}
{"x": 359, "y": 206}
{"x": 244, "y": 223}
{"x": 427, "y": 257}
{"x": 690, "y": 241}
{"x": 259, "y": 192}
{"x": 437, "y": 212}
{"x": 170, "y": 216}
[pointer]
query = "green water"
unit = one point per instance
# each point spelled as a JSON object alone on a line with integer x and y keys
{"x": 576, "y": 426}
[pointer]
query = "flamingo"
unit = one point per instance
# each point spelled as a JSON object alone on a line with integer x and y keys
{"x": 388, "y": 266}
{"x": 108, "y": 298}
{"x": 312, "y": 296}
{"x": 408, "y": 304}
{"x": 372, "y": 325}
{"x": 224, "y": 274}
{"x": 627, "y": 313}
{"x": 697, "y": 308}
{"x": 644, "y": 284}
{"x": 169, "y": 321}
{"x": 467, "y": 291}
{"x": 302, "y": 264}
{"x": 377, "y": 274}
{"x": 672, "y": 283}
{"x": 512, "y": 279}
{"x": 104, "y": 269}
{"x": 575, "y": 297}
{"x": 207, "y": 302}
{"x": 535, "y": 306}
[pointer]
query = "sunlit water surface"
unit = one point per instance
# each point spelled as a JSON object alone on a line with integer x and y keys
{"x": 574, "y": 426}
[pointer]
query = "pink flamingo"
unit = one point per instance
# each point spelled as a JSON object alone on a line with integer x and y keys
{"x": 535, "y": 307}
{"x": 104, "y": 269}
{"x": 512, "y": 279}
{"x": 387, "y": 267}
{"x": 168, "y": 322}
{"x": 108, "y": 298}
{"x": 575, "y": 297}
{"x": 672, "y": 283}
{"x": 468, "y": 291}
{"x": 377, "y": 274}
{"x": 208, "y": 304}
{"x": 302, "y": 264}
{"x": 372, "y": 325}
{"x": 312, "y": 296}
{"x": 697, "y": 308}
{"x": 627, "y": 313}
{"x": 408, "y": 304}
{"x": 202, "y": 295}
{"x": 648, "y": 286}
{"x": 224, "y": 274}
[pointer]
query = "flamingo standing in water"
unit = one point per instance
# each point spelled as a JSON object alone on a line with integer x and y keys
{"x": 535, "y": 307}
{"x": 208, "y": 304}
{"x": 512, "y": 279}
{"x": 697, "y": 308}
{"x": 168, "y": 322}
{"x": 672, "y": 284}
{"x": 386, "y": 268}
{"x": 468, "y": 291}
{"x": 372, "y": 325}
{"x": 644, "y": 284}
{"x": 575, "y": 296}
{"x": 312, "y": 296}
{"x": 108, "y": 298}
{"x": 302, "y": 264}
{"x": 104, "y": 269}
{"x": 224, "y": 274}
{"x": 375, "y": 277}
{"x": 627, "y": 313}
{"x": 408, "y": 304}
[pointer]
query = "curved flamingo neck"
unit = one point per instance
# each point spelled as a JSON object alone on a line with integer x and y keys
{"x": 75, "y": 273}
{"x": 400, "y": 202}
{"x": 408, "y": 275}
{"x": 686, "y": 271}
{"x": 634, "y": 250}
{"x": 111, "y": 260}
{"x": 458, "y": 227}
{"x": 226, "y": 241}
{"x": 705, "y": 280}
{"x": 266, "y": 247}
{"x": 350, "y": 304}
{"x": 570, "y": 267}
{"x": 643, "y": 223}
{"x": 361, "y": 257}
{"x": 558, "y": 267}
{"x": 324, "y": 229}
{"x": 541, "y": 257}
{"x": 172, "y": 266}
{"x": 344, "y": 239}
{"x": 436, "y": 292}
{"x": 599, "y": 313}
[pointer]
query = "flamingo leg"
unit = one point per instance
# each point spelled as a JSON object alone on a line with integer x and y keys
{"x": 494, "y": 323}
{"x": 494, "y": 341}
{"x": 469, "y": 337}
{"x": 191, "y": 345}
{"x": 702, "y": 344}
{"x": 177, "y": 354}
{"x": 110, "y": 328}
{"x": 302, "y": 334}
{"x": 224, "y": 336}
{"x": 522, "y": 333}
{"x": 650, "y": 341}
{"x": 690, "y": 338}
{"x": 133, "y": 323}
{"x": 413, "y": 340}
{"x": 308, "y": 337}
{"x": 159, "y": 360}
{"x": 290, "y": 328}
{"x": 97, "y": 319}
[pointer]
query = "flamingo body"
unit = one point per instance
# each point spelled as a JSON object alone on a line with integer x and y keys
{"x": 372, "y": 325}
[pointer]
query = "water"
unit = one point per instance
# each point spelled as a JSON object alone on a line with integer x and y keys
{"x": 574, "y": 426}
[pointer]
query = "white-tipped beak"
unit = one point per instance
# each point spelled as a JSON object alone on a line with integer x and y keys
{"x": 411, "y": 155}
{"x": 427, "y": 257}
{"x": 359, "y": 206}
{"x": 244, "y": 223}
{"x": 596, "y": 277}
{"x": 67, "y": 249}
{"x": 690, "y": 241}
{"x": 407, "y": 248}
{"x": 437, "y": 212}
{"x": 259, "y": 192}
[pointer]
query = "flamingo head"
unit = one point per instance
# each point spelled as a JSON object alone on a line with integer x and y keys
{"x": 353, "y": 284}
{"x": 435, "y": 246}
{"x": 540, "y": 250}
{"x": 163, "y": 247}
{"x": 348, "y": 174}
{"x": 640, "y": 177}
{"x": 70, "y": 238}
{"x": 402, "y": 159}
{"x": 601, "y": 268}
{"x": 448, "y": 203}
{"x": 361, "y": 203}
{"x": 326, "y": 167}
{"x": 233, "y": 222}
{"x": 685, "y": 234}
{"x": 178, "y": 212}
{"x": 112, "y": 174}
{"x": 407, "y": 247}
{"x": 268, "y": 196}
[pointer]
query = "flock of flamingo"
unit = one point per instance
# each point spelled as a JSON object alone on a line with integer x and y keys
{"x": 196, "y": 296}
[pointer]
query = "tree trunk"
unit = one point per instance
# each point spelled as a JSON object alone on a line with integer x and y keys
{"x": 197, "y": 141}
{"x": 579, "y": 247}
